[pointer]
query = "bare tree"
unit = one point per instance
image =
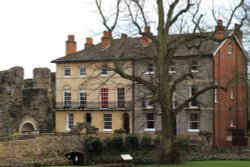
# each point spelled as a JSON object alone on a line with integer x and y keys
{"x": 169, "y": 16}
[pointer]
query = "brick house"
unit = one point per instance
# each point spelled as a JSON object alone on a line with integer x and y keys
{"x": 88, "y": 90}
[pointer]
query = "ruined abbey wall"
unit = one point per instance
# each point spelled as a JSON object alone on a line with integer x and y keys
{"x": 26, "y": 105}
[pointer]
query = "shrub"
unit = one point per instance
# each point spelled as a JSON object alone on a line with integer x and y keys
{"x": 115, "y": 142}
{"x": 132, "y": 141}
{"x": 146, "y": 142}
{"x": 93, "y": 145}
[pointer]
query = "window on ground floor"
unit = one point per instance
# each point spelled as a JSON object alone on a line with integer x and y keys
{"x": 193, "y": 122}
{"x": 69, "y": 121}
{"x": 107, "y": 122}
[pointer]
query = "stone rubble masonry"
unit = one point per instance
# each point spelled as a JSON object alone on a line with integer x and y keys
{"x": 21, "y": 100}
{"x": 11, "y": 85}
{"x": 41, "y": 149}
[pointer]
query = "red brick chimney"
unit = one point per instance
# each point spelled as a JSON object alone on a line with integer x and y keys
{"x": 145, "y": 40}
{"x": 124, "y": 36}
{"x": 106, "y": 39}
{"x": 89, "y": 42}
{"x": 219, "y": 31}
{"x": 238, "y": 32}
{"x": 70, "y": 45}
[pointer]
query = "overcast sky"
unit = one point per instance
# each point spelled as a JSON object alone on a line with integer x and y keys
{"x": 33, "y": 32}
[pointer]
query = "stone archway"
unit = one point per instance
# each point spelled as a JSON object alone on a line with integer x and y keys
{"x": 28, "y": 126}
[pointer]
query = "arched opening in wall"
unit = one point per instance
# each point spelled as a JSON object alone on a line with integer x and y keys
{"x": 77, "y": 158}
{"x": 27, "y": 128}
{"x": 126, "y": 122}
{"x": 88, "y": 119}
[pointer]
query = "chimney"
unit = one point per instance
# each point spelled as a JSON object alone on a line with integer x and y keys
{"x": 238, "y": 33}
{"x": 145, "y": 40}
{"x": 106, "y": 39}
{"x": 89, "y": 42}
{"x": 124, "y": 36}
{"x": 70, "y": 45}
{"x": 219, "y": 31}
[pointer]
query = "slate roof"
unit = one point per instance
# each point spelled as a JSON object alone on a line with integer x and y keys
{"x": 131, "y": 48}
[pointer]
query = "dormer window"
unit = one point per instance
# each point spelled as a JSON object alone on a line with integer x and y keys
{"x": 230, "y": 47}
{"x": 150, "y": 69}
{"x": 172, "y": 67}
{"x": 104, "y": 70}
{"x": 194, "y": 66}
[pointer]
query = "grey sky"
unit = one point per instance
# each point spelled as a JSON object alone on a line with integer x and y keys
{"x": 33, "y": 32}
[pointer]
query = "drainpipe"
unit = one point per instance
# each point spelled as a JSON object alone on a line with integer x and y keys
{"x": 133, "y": 96}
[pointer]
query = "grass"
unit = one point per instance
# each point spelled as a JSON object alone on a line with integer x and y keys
{"x": 207, "y": 164}
{"x": 198, "y": 164}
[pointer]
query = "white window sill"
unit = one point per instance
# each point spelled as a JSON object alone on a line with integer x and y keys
{"x": 151, "y": 73}
{"x": 193, "y": 130}
{"x": 66, "y": 76}
{"x": 172, "y": 72}
{"x": 194, "y": 71}
{"x": 82, "y": 76}
{"x": 107, "y": 130}
{"x": 149, "y": 130}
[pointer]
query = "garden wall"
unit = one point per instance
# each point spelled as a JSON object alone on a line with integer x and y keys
{"x": 47, "y": 149}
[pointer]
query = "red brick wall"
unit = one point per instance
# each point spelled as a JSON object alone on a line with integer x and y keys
{"x": 229, "y": 67}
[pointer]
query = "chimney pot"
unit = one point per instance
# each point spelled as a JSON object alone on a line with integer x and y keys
{"x": 106, "y": 39}
{"x": 124, "y": 36}
{"x": 147, "y": 29}
{"x": 220, "y": 22}
{"x": 238, "y": 32}
{"x": 89, "y": 42}
{"x": 219, "y": 31}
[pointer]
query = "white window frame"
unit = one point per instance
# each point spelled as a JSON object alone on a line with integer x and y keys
{"x": 172, "y": 67}
{"x": 232, "y": 93}
{"x": 230, "y": 47}
{"x": 194, "y": 66}
{"x": 107, "y": 122}
{"x": 82, "y": 71}
{"x": 193, "y": 121}
{"x": 67, "y": 98}
{"x": 69, "y": 121}
{"x": 149, "y": 121}
{"x": 83, "y": 98}
{"x": 174, "y": 100}
{"x": 191, "y": 94}
{"x": 120, "y": 97}
{"x": 67, "y": 71}
{"x": 216, "y": 96}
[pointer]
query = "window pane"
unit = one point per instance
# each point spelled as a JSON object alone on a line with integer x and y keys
{"x": 104, "y": 97}
{"x": 82, "y": 71}
{"x": 121, "y": 98}
{"x": 107, "y": 121}
{"x": 69, "y": 121}
{"x": 194, "y": 66}
{"x": 83, "y": 99}
{"x": 67, "y": 98}
{"x": 67, "y": 71}
{"x": 150, "y": 121}
{"x": 104, "y": 69}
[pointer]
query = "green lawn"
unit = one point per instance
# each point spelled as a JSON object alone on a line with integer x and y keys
{"x": 199, "y": 164}
{"x": 207, "y": 164}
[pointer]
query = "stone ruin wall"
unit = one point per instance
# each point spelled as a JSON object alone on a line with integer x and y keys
{"x": 29, "y": 100}
{"x": 46, "y": 149}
